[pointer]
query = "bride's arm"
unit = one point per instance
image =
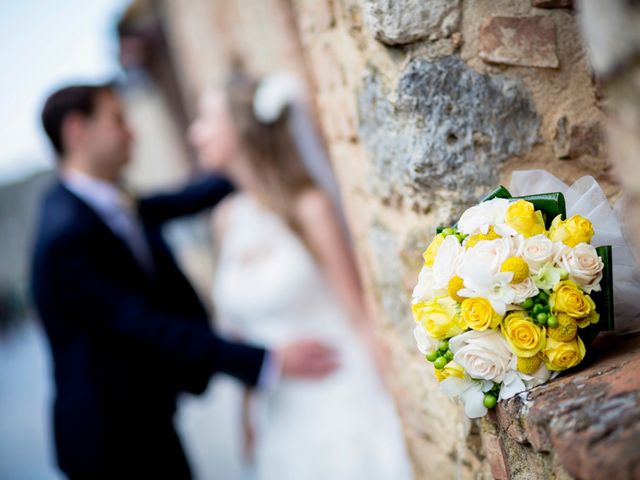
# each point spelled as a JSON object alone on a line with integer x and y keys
{"x": 325, "y": 235}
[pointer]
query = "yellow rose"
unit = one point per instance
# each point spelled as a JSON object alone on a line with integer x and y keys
{"x": 430, "y": 253}
{"x": 524, "y": 337}
{"x": 593, "y": 317}
{"x": 451, "y": 369}
{"x": 524, "y": 218}
{"x": 562, "y": 355}
{"x": 572, "y": 231}
{"x": 478, "y": 314}
{"x": 440, "y": 317}
{"x": 567, "y": 297}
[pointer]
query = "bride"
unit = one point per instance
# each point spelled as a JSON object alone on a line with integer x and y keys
{"x": 285, "y": 272}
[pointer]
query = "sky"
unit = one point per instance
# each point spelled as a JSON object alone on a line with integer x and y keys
{"x": 45, "y": 44}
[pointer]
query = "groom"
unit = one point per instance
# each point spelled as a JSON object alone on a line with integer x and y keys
{"x": 126, "y": 329}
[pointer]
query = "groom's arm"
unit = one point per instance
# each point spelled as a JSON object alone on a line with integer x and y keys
{"x": 88, "y": 291}
{"x": 199, "y": 195}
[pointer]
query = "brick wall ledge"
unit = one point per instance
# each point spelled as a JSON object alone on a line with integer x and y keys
{"x": 584, "y": 424}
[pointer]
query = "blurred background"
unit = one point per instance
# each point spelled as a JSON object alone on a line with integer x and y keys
{"x": 162, "y": 55}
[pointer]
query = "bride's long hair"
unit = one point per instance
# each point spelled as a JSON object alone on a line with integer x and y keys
{"x": 270, "y": 151}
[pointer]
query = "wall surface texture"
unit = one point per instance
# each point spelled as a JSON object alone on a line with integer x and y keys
{"x": 425, "y": 106}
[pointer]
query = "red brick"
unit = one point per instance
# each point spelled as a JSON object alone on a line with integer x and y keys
{"x": 523, "y": 41}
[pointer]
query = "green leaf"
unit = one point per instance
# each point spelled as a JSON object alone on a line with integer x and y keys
{"x": 603, "y": 301}
{"x": 604, "y": 298}
{"x": 500, "y": 192}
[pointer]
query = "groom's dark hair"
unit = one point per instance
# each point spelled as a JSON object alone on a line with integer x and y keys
{"x": 74, "y": 98}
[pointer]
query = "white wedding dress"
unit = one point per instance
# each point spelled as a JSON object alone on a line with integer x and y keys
{"x": 269, "y": 290}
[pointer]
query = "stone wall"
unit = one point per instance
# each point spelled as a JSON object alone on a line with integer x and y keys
{"x": 425, "y": 106}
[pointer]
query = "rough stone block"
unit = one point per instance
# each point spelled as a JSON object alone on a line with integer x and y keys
{"x": 397, "y": 22}
{"x": 440, "y": 142}
{"x": 523, "y": 41}
{"x": 577, "y": 140}
{"x": 589, "y": 418}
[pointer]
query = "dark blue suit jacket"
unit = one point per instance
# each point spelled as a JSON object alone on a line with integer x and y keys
{"x": 124, "y": 342}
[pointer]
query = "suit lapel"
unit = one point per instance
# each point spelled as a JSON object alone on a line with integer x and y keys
{"x": 116, "y": 245}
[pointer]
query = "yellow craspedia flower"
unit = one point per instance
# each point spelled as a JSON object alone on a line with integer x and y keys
{"x": 518, "y": 267}
{"x": 524, "y": 337}
{"x": 567, "y": 297}
{"x": 455, "y": 285}
{"x": 430, "y": 253}
{"x": 524, "y": 218}
{"x": 566, "y": 329}
{"x": 528, "y": 365}
{"x": 478, "y": 314}
{"x": 572, "y": 231}
{"x": 451, "y": 369}
{"x": 479, "y": 237}
{"x": 562, "y": 355}
{"x": 440, "y": 317}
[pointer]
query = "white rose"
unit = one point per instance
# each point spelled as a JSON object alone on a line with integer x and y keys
{"x": 490, "y": 254}
{"x": 537, "y": 251}
{"x": 559, "y": 249}
{"x": 484, "y": 355}
{"x": 487, "y": 214}
{"x": 448, "y": 258}
{"x": 583, "y": 265}
{"x": 423, "y": 340}
{"x": 523, "y": 290}
{"x": 424, "y": 289}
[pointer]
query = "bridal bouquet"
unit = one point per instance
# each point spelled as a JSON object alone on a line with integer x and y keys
{"x": 508, "y": 297}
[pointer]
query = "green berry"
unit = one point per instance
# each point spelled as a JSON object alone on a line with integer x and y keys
{"x": 542, "y": 318}
{"x": 432, "y": 355}
{"x": 443, "y": 346}
{"x": 537, "y": 308}
{"x": 490, "y": 400}
{"x": 543, "y": 296}
{"x": 440, "y": 363}
{"x": 552, "y": 322}
{"x": 449, "y": 355}
{"x": 527, "y": 304}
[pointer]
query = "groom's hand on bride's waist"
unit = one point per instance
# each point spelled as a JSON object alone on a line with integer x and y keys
{"x": 307, "y": 359}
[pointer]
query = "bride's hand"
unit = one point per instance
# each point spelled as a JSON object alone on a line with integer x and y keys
{"x": 248, "y": 432}
{"x": 307, "y": 358}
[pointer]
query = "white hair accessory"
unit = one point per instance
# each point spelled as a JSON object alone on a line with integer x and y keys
{"x": 274, "y": 93}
